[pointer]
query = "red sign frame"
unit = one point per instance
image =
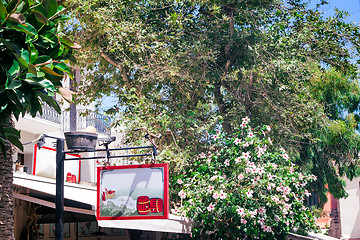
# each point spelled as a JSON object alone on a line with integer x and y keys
{"x": 150, "y": 215}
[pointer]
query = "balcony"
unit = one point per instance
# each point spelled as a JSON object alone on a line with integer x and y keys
{"x": 51, "y": 121}
{"x": 86, "y": 118}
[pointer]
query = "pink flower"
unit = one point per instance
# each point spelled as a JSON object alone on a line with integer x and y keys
{"x": 243, "y": 221}
{"x": 307, "y": 193}
{"x": 246, "y": 120}
{"x": 211, "y": 207}
{"x": 285, "y": 156}
{"x": 174, "y": 211}
{"x": 268, "y": 128}
{"x": 246, "y": 144}
{"x": 227, "y": 162}
{"x": 216, "y": 195}
{"x": 246, "y": 156}
{"x": 237, "y": 160}
{"x": 243, "y": 125}
{"x": 213, "y": 178}
{"x": 210, "y": 189}
{"x": 182, "y": 194}
{"x": 202, "y": 155}
{"x": 266, "y": 228}
{"x": 237, "y": 141}
{"x": 240, "y": 211}
{"x": 216, "y": 137}
{"x": 179, "y": 181}
{"x": 249, "y": 193}
{"x": 240, "y": 176}
{"x": 222, "y": 194}
{"x": 262, "y": 210}
{"x": 253, "y": 213}
{"x": 251, "y": 134}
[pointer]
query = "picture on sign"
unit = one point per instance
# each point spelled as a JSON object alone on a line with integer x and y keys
{"x": 133, "y": 192}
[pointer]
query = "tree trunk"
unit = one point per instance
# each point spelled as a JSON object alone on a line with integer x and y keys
{"x": 6, "y": 194}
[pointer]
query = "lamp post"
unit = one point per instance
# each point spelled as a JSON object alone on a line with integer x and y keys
{"x": 59, "y": 198}
{"x": 61, "y": 157}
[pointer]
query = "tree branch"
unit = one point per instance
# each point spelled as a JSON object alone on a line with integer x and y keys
{"x": 123, "y": 72}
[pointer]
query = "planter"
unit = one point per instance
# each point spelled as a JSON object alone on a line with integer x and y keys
{"x": 81, "y": 141}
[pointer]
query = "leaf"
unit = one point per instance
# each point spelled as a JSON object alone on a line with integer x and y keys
{"x": 11, "y": 131}
{"x": 44, "y": 83}
{"x": 42, "y": 60}
{"x": 32, "y": 69}
{"x": 50, "y": 7}
{"x": 14, "y": 99}
{"x": 50, "y": 37}
{"x": 67, "y": 41}
{"x": 16, "y": 142}
{"x": 39, "y": 16}
{"x": 66, "y": 94}
{"x": 17, "y": 17}
{"x": 3, "y": 12}
{"x": 15, "y": 68}
{"x": 49, "y": 100}
{"x": 11, "y": 83}
{"x": 50, "y": 74}
{"x": 33, "y": 53}
{"x": 62, "y": 67}
{"x": 2, "y": 108}
{"x": 26, "y": 28}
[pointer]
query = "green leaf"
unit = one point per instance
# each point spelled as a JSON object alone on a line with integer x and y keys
{"x": 62, "y": 67}
{"x": 3, "y": 12}
{"x": 42, "y": 60}
{"x": 16, "y": 142}
{"x": 14, "y": 99}
{"x": 25, "y": 55}
{"x": 15, "y": 68}
{"x": 26, "y": 28}
{"x": 47, "y": 70}
{"x": 11, "y": 83}
{"x": 32, "y": 69}
{"x": 11, "y": 131}
{"x": 50, "y": 37}
{"x": 33, "y": 53}
{"x": 39, "y": 16}
{"x": 2, "y": 108}
{"x": 44, "y": 83}
{"x": 50, "y": 7}
{"x": 49, "y": 100}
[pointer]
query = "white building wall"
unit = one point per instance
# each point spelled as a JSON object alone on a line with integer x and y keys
{"x": 350, "y": 210}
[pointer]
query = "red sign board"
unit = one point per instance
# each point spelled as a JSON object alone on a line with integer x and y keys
{"x": 133, "y": 192}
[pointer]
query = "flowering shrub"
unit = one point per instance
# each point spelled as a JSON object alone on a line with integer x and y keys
{"x": 245, "y": 188}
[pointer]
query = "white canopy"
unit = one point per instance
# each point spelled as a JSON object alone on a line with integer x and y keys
{"x": 87, "y": 194}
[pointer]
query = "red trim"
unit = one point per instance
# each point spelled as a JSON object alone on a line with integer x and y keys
{"x": 34, "y": 162}
{"x": 79, "y": 171}
{"x": 166, "y": 191}
{"x": 53, "y": 149}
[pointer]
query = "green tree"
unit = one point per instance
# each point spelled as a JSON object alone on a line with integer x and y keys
{"x": 182, "y": 68}
{"x": 34, "y": 53}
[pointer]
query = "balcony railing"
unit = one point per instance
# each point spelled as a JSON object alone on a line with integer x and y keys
{"x": 49, "y": 113}
{"x": 84, "y": 119}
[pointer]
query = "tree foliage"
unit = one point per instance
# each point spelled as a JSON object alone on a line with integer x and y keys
{"x": 246, "y": 187}
{"x": 34, "y": 53}
{"x": 183, "y": 67}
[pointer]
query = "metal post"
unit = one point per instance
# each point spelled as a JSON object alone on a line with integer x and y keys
{"x": 59, "y": 198}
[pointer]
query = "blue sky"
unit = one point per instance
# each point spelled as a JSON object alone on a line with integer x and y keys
{"x": 351, "y": 6}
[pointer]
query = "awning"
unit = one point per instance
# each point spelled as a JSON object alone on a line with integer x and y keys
{"x": 72, "y": 191}
{"x": 87, "y": 195}
{"x": 175, "y": 224}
